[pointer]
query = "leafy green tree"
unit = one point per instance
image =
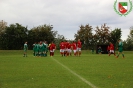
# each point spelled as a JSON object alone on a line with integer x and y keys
{"x": 58, "y": 39}
{"x": 128, "y": 44}
{"x": 41, "y": 33}
{"x": 2, "y": 26}
{"x": 13, "y": 37}
{"x": 130, "y": 36}
{"x": 115, "y": 35}
{"x": 85, "y": 35}
{"x": 102, "y": 34}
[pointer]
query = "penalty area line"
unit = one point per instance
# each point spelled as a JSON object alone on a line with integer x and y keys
{"x": 80, "y": 77}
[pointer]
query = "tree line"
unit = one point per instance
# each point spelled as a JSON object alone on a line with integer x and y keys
{"x": 12, "y": 37}
{"x": 91, "y": 37}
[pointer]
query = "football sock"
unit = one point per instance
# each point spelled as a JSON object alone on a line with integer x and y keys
{"x": 51, "y": 53}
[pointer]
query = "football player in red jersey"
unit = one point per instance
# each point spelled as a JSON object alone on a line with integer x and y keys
{"x": 69, "y": 47}
{"x": 79, "y": 47}
{"x": 52, "y": 47}
{"x": 111, "y": 49}
{"x": 74, "y": 47}
{"x": 65, "y": 50}
{"x": 62, "y": 47}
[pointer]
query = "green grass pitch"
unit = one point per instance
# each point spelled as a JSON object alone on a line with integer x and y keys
{"x": 87, "y": 71}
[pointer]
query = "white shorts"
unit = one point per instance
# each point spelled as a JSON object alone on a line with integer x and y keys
{"x": 74, "y": 51}
{"x": 65, "y": 50}
{"x": 111, "y": 51}
{"x": 78, "y": 49}
{"x": 69, "y": 50}
{"x": 62, "y": 50}
{"x": 51, "y": 50}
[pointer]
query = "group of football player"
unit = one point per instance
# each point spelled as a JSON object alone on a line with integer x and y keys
{"x": 41, "y": 48}
{"x": 66, "y": 48}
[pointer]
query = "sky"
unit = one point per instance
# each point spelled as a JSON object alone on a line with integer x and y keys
{"x": 66, "y": 16}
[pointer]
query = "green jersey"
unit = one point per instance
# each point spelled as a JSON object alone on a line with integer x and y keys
{"x": 44, "y": 47}
{"x": 35, "y": 47}
{"x": 41, "y": 48}
{"x": 120, "y": 47}
{"x": 25, "y": 47}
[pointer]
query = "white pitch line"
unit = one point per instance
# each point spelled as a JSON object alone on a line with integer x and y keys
{"x": 80, "y": 77}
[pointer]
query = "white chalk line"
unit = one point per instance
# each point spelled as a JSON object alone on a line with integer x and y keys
{"x": 80, "y": 77}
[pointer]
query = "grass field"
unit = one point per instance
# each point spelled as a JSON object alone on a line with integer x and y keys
{"x": 87, "y": 71}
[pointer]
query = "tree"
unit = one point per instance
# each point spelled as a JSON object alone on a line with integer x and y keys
{"x": 128, "y": 44}
{"x": 115, "y": 35}
{"x": 41, "y": 33}
{"x": 102, "y": 34}
{"x": 2, "y": 26}
{"x": 2, "y": 31}
{"x": 13, "y": 37}
{"x": 85, "y": 35}
{"x": 130, "y": 36}
{"x": 58, "y": 39}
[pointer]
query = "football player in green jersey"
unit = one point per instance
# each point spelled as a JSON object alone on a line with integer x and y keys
{"x": 120, "y": 48}
{"x": 25, "y": 49}
{"x": 41, "y": 49}
{"x": 45, "y": 48}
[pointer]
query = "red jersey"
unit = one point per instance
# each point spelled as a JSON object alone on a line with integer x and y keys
{"x": 69, "y": 46}
{"x": 67, "y": 43}
{"x": 79, "y": 44}
{"x": 62, "y": 46}
{"x": 111, "y": 47}
{"x": 52, "y": 46}
{"x": 74, "y": 46}
{"x": 108, "y": 48}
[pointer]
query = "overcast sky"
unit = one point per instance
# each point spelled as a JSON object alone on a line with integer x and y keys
{"x": 65, "y": 15}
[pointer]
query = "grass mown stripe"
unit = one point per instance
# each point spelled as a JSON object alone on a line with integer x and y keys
{"x": 80, "y": 77}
